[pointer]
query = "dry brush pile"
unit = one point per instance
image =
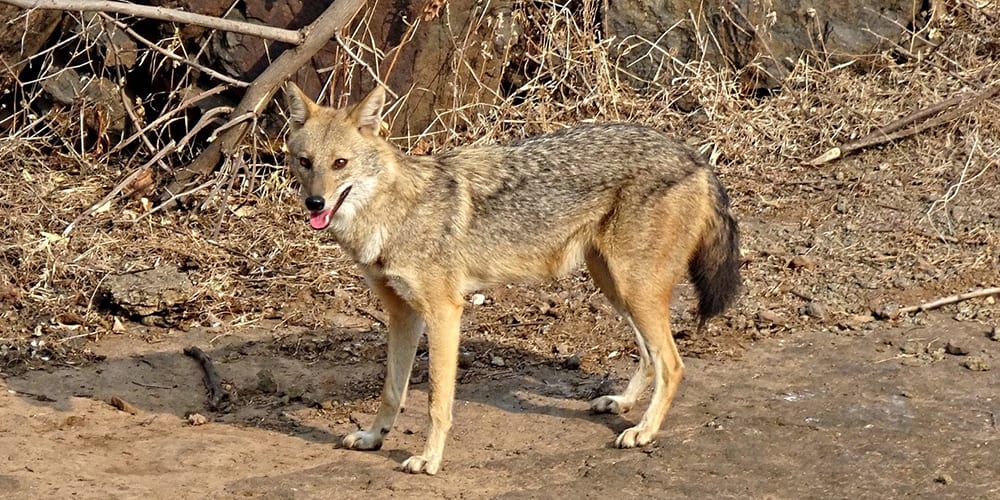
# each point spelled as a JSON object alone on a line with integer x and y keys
{"x": 893, "y": 221}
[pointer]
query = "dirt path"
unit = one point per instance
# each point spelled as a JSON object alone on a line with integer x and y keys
{"x": 809, "y": 414}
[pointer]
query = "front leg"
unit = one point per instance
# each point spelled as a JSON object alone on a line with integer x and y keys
{"x": 405, "y": 327}
{"x": 443, "y": 328}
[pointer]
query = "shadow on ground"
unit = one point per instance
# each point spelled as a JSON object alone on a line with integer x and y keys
{"x": 810, "y": 414}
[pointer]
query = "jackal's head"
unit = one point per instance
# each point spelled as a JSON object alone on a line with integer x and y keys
{"x": 336, "y": 155}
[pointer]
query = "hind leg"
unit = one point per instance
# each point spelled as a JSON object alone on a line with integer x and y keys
{"x": 651, "y": 316}
{"x": 620, "y": 403}
{"x": 643, "y": 297}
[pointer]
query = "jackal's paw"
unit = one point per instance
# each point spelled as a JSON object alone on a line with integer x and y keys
{"x": 363, "y": 440}
{"x": 634, "y": 436}
{"x": 418, "y": 463}
{"x": 610, "y": 404}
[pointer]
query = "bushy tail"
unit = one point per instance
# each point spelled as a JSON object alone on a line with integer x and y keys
{"x": 715, "y": 266}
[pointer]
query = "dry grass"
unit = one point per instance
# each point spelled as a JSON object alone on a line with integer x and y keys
{"x": 921, "y": 209}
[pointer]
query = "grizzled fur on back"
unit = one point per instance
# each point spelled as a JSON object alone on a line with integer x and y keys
{"x": 545, "y": 175}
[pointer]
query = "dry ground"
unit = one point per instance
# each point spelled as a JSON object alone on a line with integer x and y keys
{"x": 808, "y": 414}
{"x": 830, "y": 404}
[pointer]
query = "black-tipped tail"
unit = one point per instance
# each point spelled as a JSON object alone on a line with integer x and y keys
{"x": 715, "y": 266}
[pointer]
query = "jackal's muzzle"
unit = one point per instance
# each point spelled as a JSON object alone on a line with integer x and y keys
{"x": 319, "y": 215}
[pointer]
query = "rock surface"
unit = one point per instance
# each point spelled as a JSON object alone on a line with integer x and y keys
{"x": 765, "y": 38}
{"x": 150, "y": 293}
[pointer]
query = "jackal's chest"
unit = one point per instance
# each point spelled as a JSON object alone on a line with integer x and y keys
{"x": 365, "y": 245}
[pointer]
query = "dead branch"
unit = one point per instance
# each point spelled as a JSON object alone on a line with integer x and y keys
{"x": 130, "y": 110}
{"x": 316, "y": 35}
{"x": 184, "y": 104}
{"x": 172, "y": 200}
{"x": 951, "y": 299}
{"x": 163, "y": 14}
{"x": 170, "y": 55}
{"x": 895, "y": 130}
{"x": 123, "y": 405}
{"x": 218, "y": 397}
{"x": 120, "y": 187}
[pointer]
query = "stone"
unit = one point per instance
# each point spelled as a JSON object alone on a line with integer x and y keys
{"x": 763, "y": 38}
{"x": 886, "y": 311}
{"x": 767, "y": 317}
{"x": 294, "y": 393}
{"x": 158, "y": 291}
{"x": 955, "y": 349}
{"x": 196, "y": 419}
{"x": 572, "y": 362}
{"x": 802, "y": 262}
{"x": 466, "y": 360}
{"x": 105, "y": 111}
{"x": 815, "y": 310}
{"x": 17, "y": 44}
{"x": 266, "y": 382}
{"x": 119, "y": 48}
{"x": 944, "y": 479}
{"x": 976, "y": 364}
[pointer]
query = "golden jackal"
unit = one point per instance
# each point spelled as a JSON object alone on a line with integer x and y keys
{"x": 638, "y": 208}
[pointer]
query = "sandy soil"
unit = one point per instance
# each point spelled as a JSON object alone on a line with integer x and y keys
{"x": 810, "y": 414}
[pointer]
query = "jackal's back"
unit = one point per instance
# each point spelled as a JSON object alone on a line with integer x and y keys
{"x": 559, "y": 180}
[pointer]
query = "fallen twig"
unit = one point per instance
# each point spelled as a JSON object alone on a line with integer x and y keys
{"x": 164, "y": 14}
{"x": 895, "y": 130}
{"x": 123, "y": 405}
{"x": 218, "y": 397}
{"x": 120, "y": 186}
{"x": 151, "y": 386}
{"x": 372, "y": 316}
{"x": 184, "y": 104}
{"x": 951, "y": 299}
{"x": 38, "y": 397}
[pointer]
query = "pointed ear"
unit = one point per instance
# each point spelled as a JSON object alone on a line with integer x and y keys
{"x": 368, "y": 113}
{"x": 299, "y": 106}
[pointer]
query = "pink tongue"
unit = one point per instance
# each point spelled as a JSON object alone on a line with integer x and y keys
{"x": 319, "y": 220}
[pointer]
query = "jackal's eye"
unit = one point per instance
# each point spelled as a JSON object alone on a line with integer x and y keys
{"x": 340, "y": 163}
{"x": 305, "y": 163}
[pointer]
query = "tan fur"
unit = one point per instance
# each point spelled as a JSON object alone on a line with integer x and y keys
{"x": 640, "y": 210}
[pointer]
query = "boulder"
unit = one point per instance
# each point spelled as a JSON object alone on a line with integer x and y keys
{"x": 764, "y": 37}
{"x": 23, "y": 34}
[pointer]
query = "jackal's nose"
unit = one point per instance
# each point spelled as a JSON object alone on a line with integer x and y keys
{"x": 315, "y": 203}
